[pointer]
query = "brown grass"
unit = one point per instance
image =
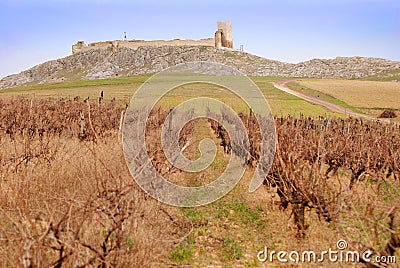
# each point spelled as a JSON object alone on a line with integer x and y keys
{"x": 79, "y": 207}
{"x": 72, "y": 202}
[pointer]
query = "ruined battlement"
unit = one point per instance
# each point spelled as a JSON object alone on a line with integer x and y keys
{"x": 135, "y": 44}
{"x": 223, "y": 38}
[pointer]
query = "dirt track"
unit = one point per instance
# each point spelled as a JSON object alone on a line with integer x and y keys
{"x": 333, "y": 107}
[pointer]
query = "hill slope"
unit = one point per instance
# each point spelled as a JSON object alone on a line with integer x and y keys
{"x": 106, "y": 63}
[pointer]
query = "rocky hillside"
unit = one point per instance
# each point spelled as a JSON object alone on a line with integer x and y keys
{"x": 106, "y": 63}
{"x": 343, "y": 67}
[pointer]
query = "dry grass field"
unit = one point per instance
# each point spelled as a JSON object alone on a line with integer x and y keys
{"x": 368, "y": 96}
{"x": 67, "y": 198}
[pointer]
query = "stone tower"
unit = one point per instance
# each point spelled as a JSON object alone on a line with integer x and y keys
{"x": 223, "y": 36}
{"x": 78, "y": 46}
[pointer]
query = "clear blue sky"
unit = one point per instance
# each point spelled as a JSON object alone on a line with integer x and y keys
{"x": 34, "y": 31}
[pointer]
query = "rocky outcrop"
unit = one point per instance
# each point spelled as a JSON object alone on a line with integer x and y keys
{"x": 343, "y": 67}
{"x": 122, "y": 61}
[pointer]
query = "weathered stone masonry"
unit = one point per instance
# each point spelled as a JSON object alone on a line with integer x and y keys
{"x": 222, "y": 39}
{"x": 223, "y": 36}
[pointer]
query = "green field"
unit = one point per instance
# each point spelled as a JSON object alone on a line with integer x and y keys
{"x": 369, "y": 97}
{"x": 118, "y": 88}
{"x": 122, "y": 89}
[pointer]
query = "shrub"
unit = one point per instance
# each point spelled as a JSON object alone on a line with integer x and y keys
{"x": 388, "y": 114}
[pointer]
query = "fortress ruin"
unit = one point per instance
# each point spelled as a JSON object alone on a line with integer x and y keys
{"x": 222, "y": 39}
{"x": 223, "y": 36}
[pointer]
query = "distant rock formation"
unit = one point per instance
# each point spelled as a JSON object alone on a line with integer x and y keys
{"x": 116, "y": 61}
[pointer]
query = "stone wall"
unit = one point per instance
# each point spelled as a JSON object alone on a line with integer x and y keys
{"x": 135, "y": 44}
{"x": 79, "y": 46}
{"x": 218, "y": 38}
{"x": 222, "y": 39}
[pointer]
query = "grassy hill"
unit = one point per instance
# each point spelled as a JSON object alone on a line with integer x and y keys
{"x": 124, "y": 62}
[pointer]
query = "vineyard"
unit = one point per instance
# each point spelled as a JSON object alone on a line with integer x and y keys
{"x": 311, "y": 151}
{"x": 67, "y": 198}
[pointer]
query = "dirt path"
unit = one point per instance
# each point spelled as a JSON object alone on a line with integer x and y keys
{"x": 333, "y": 107}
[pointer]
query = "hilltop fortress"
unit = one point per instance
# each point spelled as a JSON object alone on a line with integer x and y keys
{"x": 124, "y": 58}
{"x": 222, "y": 39}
